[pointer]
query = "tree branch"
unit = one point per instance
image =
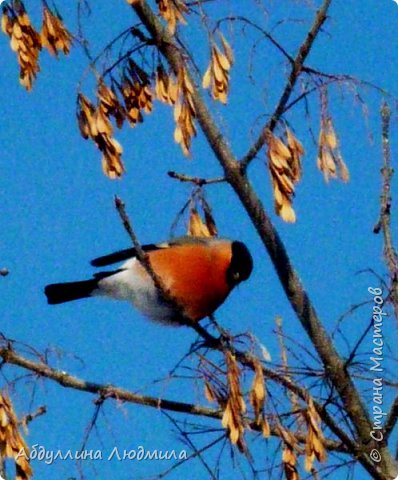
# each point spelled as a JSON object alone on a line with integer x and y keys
{"x": 106, "y": 391}
{"x": 384, "y": 222}
{"x": 297, "y": 68}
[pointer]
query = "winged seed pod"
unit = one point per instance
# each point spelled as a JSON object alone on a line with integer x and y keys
{"x": 209, "y": 393}
{"x": 54, "y": 35}
{"x": 110, "y": 103}
{"x": 165, "y": 86}
{"x": 184, "y": 112}
{"x": 330, "y": 161}
{"x": 112, "y": 164}
{"x": 196, "y": 226}
{"x": 257, "y": 392}
{"x": 285, "y": 168}
{"x": 12, "y": 445}
{"x": 24, "y": 41}
{"x": 172, "y": 11}
{"x": 257, "y": 396}
{"x": 217, "y": 74}
{"x": 136, "y": 92}
{"x": 209, "y": 219}
{"x": 232, "y": 418}
{"x": 289, "y": 458}
{"x": 314, "y": 444}
{"x": 94, "y": 123}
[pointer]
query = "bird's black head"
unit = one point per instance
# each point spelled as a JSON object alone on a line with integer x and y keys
{"x": 241, "y": 264}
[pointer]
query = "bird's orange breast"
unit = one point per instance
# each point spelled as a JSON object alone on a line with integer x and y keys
{"x": 195, "y": 275}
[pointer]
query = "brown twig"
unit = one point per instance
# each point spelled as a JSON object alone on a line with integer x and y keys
{"x": 296, "y": 70}
{"x": 31, "y": 416}
{"x": 384, "y": 223}
{"x": 195, "y": 180}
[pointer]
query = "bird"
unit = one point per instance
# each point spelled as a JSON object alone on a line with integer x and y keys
{"x": 197, "y": 272}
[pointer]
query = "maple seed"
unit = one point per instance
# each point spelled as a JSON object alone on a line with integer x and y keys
{"x": 94, "y": 123}
{"x": 172, "y": 11}
{"x": 216, "y": 76}
{"x": 330, "y": 161}
{"x": 54, "y": 35}
{"x": 24, "y": 41}
{"x": 285, "y": 169}
{"x": 184, "y": 112}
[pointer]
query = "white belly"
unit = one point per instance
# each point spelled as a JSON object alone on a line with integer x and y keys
{"x": 132, "y": 286}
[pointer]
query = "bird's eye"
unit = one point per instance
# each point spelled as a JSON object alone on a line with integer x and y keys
{"x": 236, "y": 276}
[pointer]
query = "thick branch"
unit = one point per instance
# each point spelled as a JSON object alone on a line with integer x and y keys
{"x": 384, "y": 222}
{"x": 296, "y": 69}
{"x": 106, "y": 391}
{"x": 334, "y": 365}
{"x": 109, "y": 391}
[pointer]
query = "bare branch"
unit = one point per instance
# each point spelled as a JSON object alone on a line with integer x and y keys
{"x": 384, "y": 222}
{"x": 195, "y": 180}
{"x": 296, "y": 70}
{"x": 106, "y": 391}
{"x": 31, "y": 416}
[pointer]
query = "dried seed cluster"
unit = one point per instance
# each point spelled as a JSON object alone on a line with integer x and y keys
{"x": 330, "y": 161}
{"x": 11, "y": 441}
{"x": 285, "y": 168}
{"x": 172, "y": 11}
{"x": 314, "y": 445}
{"x": 95, "y": 124}
{"x": 217, "y": 74}
{"x": 136, "y": 93}
{"x": 232, "y": 418}
{"x": 95, "y": 121}
{"x": 184, "y": 112}
{"x": 199, "y": 228}
{"x": 54, "y": 36}
{"x": 228, "y": 395}
{"x": 289, "y": 457}
{"x": 27, "y": 42}
{"x": 257, "y": 396}
{"x": 166, "y": 89}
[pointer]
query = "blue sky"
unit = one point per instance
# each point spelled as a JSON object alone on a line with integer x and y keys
{"x": 57, "y": 214}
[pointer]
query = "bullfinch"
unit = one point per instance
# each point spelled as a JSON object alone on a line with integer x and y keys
{"x": 199, "y": 273}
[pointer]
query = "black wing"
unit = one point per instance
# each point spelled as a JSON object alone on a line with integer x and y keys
{"x": 121, "y": 255}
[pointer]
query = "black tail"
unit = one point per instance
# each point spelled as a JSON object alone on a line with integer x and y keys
{"x": 66, "y": 292}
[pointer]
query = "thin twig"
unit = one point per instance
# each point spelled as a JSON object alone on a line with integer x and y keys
{"x": 31, "y": 416}
{"x": 296, "y": 70}
{"x": 195, "y": 180}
